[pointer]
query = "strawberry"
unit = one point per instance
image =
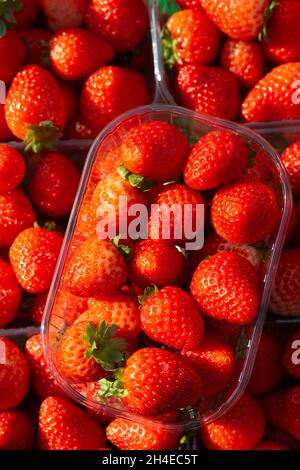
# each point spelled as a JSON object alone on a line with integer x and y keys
{"x": 241, "y": 428}
{"x": 11, "y": 63}
{"x": 53, "y": 184}
{"x": 155, "y": 150}
{"x": 106, "y": 164}
{"x": 127, "y": 435}
{"x": 12, "y": 168}
{"x": 71, "y": 305}
{"x": 270, "y": 445}
{"x": 42, "y": 381}
{"x": 11, "y": 293}
{"x": 120, "y": 308}
{"x": 214, "y": 361}
{"x": 64, "y": 426}
{"x": 16, "y": 431}
{"x": 245, "y": 212}
{"x": 225, "y": 287}
{"x": 209, "y": 90}
{"x": 189, "y": 4}
{"x": 274, "y": 433}
{"x": 109, "y": 92}
{"x": 69, "y": 46}
{"x": 239, "y": 19}
{"x": 109, "y": 19}
{"x": 190, "y": 38}
{"x": 293, "y": 401}
{"x": 295, "y": 237}
{"x": 274, "y": 97}
{"x": 291, "y": 160}
{"x": 71, "y": 100}
{"x": 16, "y": 214}
{"x": 38, "y": 307}
{"x": 85, "y": 276}
{"x": 66, "y": 14}
{"x": 155, "y": 262}
{"x": 33, "y": 256}
{"x": 171, "y": 317}
{"x": 33, "y": 97}
{"x": 244, "y": 59}
{"x": 14, "y": 377}
{"x": 281, "y": 43}
{"x": 285, "y": 298}
{"x": 37, "y": 43}
{"x": 78, "y": 129}
{"x": 218, "y": 158}
{"x": 291, "y": 356}
{"x": 267, "y": 371}
{"x": 5, "y": 133}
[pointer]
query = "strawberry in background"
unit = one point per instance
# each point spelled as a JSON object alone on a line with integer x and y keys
{"x": 64, "y": 14}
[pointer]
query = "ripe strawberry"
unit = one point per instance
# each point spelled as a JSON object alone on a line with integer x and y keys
{"x": 214, "y": 361}
{"x": 155, "y": 262}
{"x": 291, "y": 160}
{"x": 241, "y": 428}
{"x": 16, "y": 214}
{"x": 171, "y": 317}
{"x": 285, "y": 298}
{"x": 34, "y": 97}
{"x": 267, "y": 371}
{"x": 295, "y": 237}
{"x": 218, "y": 158}
{"x": 189, "y": 3}
{"x": 66, "y": 14}
{"x": 38, "y": 307}
{"x": 14, "y": 376}
{"x": 244, "y": 212}
{"x": 78, "y": 129}
{"x": 85, "y": 276}
{"x": 127, "y": 435}
{"x": 270, "y": 445}
{"x": 11, "y": 63}
{"x": 293, "y": 401}
{"x": 10, "y": 294}
{"x": 239, "y": 19}
{"x": 225, "y": 287}
{"x": 71, "y": 305}
{"x": 53, "y": 184}
{"x": 71, "y": 100}
{"x": 190, "y": 38}
{"x": 33, "y": 256}
{"x": 244, "y": 59}
{"x": 120, "y": 308}
{"x": 282, "y": 43}
{"x": 16, "y": 431}
{"x": 5, "y": 133}
{"x": 109, "y": 19}
{"x": 106, "y": 164}
{"x": 64, "y": 426}
{"x": 69, "y": 46}
{"x": 210, "y": 90}
{"x": 37, "y": 43}
{"x": 28, "y": 14}
{"x": 12, "y": 168}
{"x": 273, "y": 97}
{"x": 109, "y": 92}
{"x": 291, "y": 356}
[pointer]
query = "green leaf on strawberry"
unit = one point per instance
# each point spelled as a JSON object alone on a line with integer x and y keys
{"x": 44, "y": 135}
{"x": 147, "y": 292}
{"x": 169, "y": 45}
{"x": 168, "y": 6}
{"x": 136, "y": 181}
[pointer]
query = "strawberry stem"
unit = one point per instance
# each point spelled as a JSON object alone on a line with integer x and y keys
{"x": 44, "y": 135}
{"x": 263, "y": 34}
{"x": 111, "y": 387}
{"x": 136, "y": 181}
{"x": 125, "y": 250}
{"x": 169, "y": 45}
{"x": 7, "y": 10}
{"x": 168, "y": 6}
{"x": 147, "y": 293}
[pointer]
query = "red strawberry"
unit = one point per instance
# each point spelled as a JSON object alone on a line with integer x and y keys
{"x": 214, "y": 361}
{"x": 190, "y": 38}
{"x": 16, "y": 431}
{"x": 77, "y": 129}
{"x": 28, "y": 14}
{"x": 34, "y": 97}
{"x": 66, "y": 14}
{"x": 241, "y": 428}
{"x": 285, "y": 299}
{"x": 293, "y": 401}
{"x": 33, "y": 256}
{"x": 210, "y": 90}
{"x": 14, "y": 376}
{"x": 244, "y": 212}
{"x": 171, "y": 317}
{"x": 38, "y": 307}
{"x": 42, "y": 380}
{"x": 37, "y": 43}
{"x": 71, "y": 305}
{"x": 189, "y": 3}
{"x": 71, "y": 100}
{"x": 239, "y": 19}
{"x": 106, "y": 164}
{"x": 16, "y": 214}
{"x": 295, "y": 238}
{"x": 281, "y": 43}
{"x": 12, "y": 168}
{"x": 267, "y": 371}
{"x": 5, "y": 133}
{"x": 53, "y": 184}
{"x": 11, "y": 63}
{"x": 225, "y": 287}
{"x": 64, "y": 426}
{"x": 274, "y": 433}
{"x": 270, "y": 445}
{"x": 86, "y": 277}
{"x": 291, "y": 160}
{"x": 218, "y": 158}
{"x": 275, "y": 96}
{"x": 109, "y": 92}
{"x": 291, "y": 357}
{"x": 244, "y": 59}
{"x": 127, "y": 435}
{"x": 69, "y": 46}
{"x": 110, "y": 19}
{"x": 10, "y": 294}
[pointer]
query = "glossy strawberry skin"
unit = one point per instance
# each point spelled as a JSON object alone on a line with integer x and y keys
{"x": 11, "y": 294}
{"x": 12, "y": 168}
{"x": 66, "y": 14}
{"x": 106, "y": 164}
{"x": 11, "y": 63}
{"x": 37, "y": 43}
{"x": 291, "y": 160}
{"x": 291, "y": 354}
{"x": 16, "y": 431}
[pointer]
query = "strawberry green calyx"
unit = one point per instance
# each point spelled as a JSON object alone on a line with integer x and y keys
{"x": 112, "y": 386}
{"x": 125, "y": 250}
{"x": 105, "y": 348}
{"x": 137, "y": 181}
{"x": 44, "y": 135}
{"x": 147, "y": 293}
{"x": 263, "y": 35}
{"x": 168, "y": 6}
{"x": 242, "y": 345}
{"x": 7, "y": 10}
{"x": 169, "y": 45}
